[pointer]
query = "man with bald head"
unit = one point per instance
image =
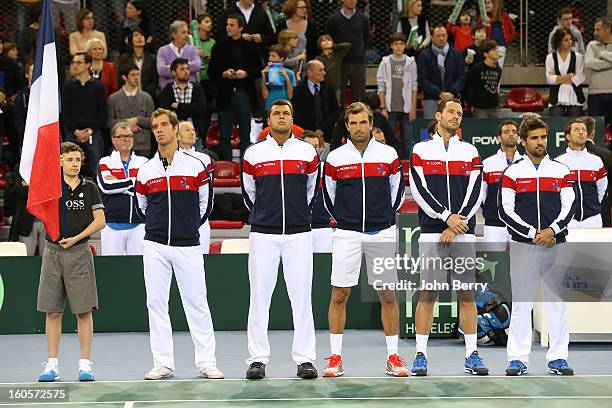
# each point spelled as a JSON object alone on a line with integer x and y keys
{"x": 315, "y": 104}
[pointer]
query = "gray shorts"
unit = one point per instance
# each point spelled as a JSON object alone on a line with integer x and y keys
{"x": 455, "y": 261}
{"x": 67, "y": 273}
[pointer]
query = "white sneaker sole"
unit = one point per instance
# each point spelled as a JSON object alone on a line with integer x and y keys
{"x": 331, "y": 375}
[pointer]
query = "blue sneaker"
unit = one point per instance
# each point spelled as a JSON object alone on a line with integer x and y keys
{"x": 474, "y": 365}
{"x": 560, "y": 367}
{"x": 50, "y": 373}
{"x": 85, "y": 373}
{"x": 419, "y": 366}
{"x": 516, "y": 367}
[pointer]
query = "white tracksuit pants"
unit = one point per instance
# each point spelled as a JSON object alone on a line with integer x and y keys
{"x": 529, "y": 264}
{"x": 265, "y": 252}
{"x": 122, "y": 242}
{"x": 495, "y": 238}
{"x": 188, "y": 266}
{"x": 204, "y": 231}
{"x": 322, "y": 239}
{"x": 593, "y": 221}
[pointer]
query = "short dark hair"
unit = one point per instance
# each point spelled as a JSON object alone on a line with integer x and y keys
{"x": 372, "y": 100}
{"x": 324, "y": 37}
{"x": 564, "y": 10}
{"x": 279, "y": 50}
{"x": 178, "y": 61}
{"x": 281, "y": 102}
{"x": 309, "y": 134}
{"x": 531, "y": 123}
{"x": 69, "y": 147}
{"x": 558, "y": 36}
{"x": 356, "y": 108}
{"x": 239, "y": 18}
{"x": 436, "y": 26}
{"x": 442, "y": 105}
{"x": 605, "y": 21}
{"x": 171, "y": 115}
{"x": 568, "y": 125}
{"x": 85, "y": 56}
{"x": 590, "y": 123}
{"x": 486, "y": 46}
{"x": 506, "y": 123}
{"x": 477, "y": 27}
{"x": 126, "y": 69}
{"x": 398, "y": 37}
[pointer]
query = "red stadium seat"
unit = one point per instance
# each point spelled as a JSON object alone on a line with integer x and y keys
{"x": 226, "y": 174}
{"x": 525, "y": 100}
{"x": 213, "y": 137}
{"x": 226, "y": 224}
{"x": 215, "y": 247}
{"x": 235, "y": 138}
{"x": 4, "y": 168}
{"x": 409, "y": 207}
{"x": 406, "y": 171}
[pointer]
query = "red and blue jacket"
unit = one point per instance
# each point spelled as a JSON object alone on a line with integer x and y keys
{"x": 118, "y": 196}
{"x": 279, "y": 185}
{"x": 492, "y": 169}
{"x": 176, "y": 200}
{"x": 532, "y": 199}
{"x": 445, "y": 181}
{"x": 591, "y": 181}
{"x": 363, "y": 190}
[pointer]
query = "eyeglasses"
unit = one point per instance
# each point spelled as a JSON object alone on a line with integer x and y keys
{"x": 125, "y": 138}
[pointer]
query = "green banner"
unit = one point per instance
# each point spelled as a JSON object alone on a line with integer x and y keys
{"x": 482, "y": 133}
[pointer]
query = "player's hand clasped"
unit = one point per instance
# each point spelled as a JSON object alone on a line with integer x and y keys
{"x": 545, "y": 237}
{"x": 456, "y": 222}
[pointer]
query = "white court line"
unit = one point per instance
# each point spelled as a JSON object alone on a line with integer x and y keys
{"x": 128, "y": 404}
{"x": 388, "y": 377}
{"x": 542, "y": 397}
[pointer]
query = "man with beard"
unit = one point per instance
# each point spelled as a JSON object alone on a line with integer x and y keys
{"x": 495, "y": 233}
{"x": 536, "y": 203}
{"x": 445, "y": 180}
{"x": 280, "y": 175}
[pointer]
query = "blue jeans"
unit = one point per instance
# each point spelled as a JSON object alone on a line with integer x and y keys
{"x": 601, "y": 105}
{"x": 93, "y": 151}
{"x": 405, "y": 129}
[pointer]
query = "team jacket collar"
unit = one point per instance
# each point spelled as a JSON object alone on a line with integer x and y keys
{"x": 270, "y": 139}
{"x": 440, "y": 140}
{"x": 544, "y": 161}
{"x": 115, "y": 157}
{"x": 517, "y": 155}
{"x": 576, "y": 153}
{"x": 352, "y": 146}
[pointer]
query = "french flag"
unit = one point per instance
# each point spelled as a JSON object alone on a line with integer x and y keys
{"x": 40, "y": 155}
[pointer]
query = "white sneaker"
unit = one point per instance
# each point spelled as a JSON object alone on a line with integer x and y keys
{"x": 211, "y": 372}
{"x": 158, "y": 373}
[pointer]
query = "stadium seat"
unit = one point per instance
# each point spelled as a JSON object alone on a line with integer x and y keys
{"x": 235, "y": 138}
{"x": 525, "y": 100}
{"x": 406, "y": 171}
{"x": 213, "y": 137}
{"x": 227, "y": 174}
{"x": 409, "y": 207}
{"x": 4, "y": 168}
{"x": 226, "y": 224}
{"x": 215, "y": 247}
{"x": 13, "y": 249}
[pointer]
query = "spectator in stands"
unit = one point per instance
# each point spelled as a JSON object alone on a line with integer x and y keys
{"x": 341, "y": 133}
{"x": 414, "y": 17}
{"x": 331, "y": 56}
{"x": 564, "y": 20}
{"x": 397, "y": 89}
{"x": 24, "y": 226}
{"x": 472, "y": 55}
{"x": 134, "y": 107}
{"x": 321, "y": 146}
{"x": 315, "y": 104}
{"x": 598, "y": 58}
{"x": 462, "y": 33}
{"x": 500, "y": 28}
{"x": 137, "y": 55}
{"x": 278, "y": 81}
{"x": 125, "y": 230}
{"x": 348, "y": 25}
{"x": 84, "y": 111}
{"x": 177, "y": 48}
{"x": 136, "y": 16}
{"x": 288, "y": 40}
{"x": 85, "y": 25}
{"x": 235, "y": 64}
{"x": 184, "y": 97}
{"x": 26, "y": 37}
{"x": 205, "y": 27}
{"x": 103, "y": 71}
{"x": 379, "y": 135}
{"x": 257, "y": 28}
{"x": 606, "y": 157}
{"x": 299, "y": 19}
{"x": 20, "y": 113}
{"x": 11, "y": 76}
{"x": 110, "y": 15}
{"x": 67, "y": 9}
{"x": 482, "y": 82}
{"x": 441, "y": 72}
{"x": 565, "y": 75}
